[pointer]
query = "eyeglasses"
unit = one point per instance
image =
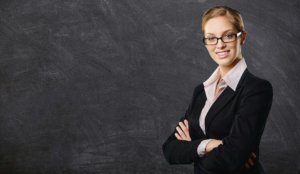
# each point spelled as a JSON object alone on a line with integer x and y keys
{"x": 226, "y": 38}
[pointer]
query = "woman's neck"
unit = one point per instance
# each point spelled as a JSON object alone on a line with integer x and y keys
{"x": 225, "y": 69}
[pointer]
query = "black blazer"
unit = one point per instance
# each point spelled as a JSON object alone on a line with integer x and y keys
{"x": 237, "y": 117}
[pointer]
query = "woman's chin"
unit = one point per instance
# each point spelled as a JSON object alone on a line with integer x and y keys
{"x": 225, "y": 62}
{"x": 222, "y": 61}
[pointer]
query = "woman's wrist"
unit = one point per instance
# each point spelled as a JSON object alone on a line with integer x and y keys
{"x": 212, "y": 144}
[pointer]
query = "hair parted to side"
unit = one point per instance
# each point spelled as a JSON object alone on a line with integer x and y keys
{"x": 234, "y": 16}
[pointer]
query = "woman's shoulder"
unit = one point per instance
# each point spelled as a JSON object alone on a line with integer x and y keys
{"x": 198, "y": 89}
{"x": 251, "y": 81}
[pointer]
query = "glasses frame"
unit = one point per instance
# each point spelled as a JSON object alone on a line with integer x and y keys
{"x": 222, "y": 37}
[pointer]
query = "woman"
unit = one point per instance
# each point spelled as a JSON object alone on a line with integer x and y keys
{"x": 222, "y": 128}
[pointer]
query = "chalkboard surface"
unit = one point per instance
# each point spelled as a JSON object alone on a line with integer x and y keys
{"x": 97, "y": 86}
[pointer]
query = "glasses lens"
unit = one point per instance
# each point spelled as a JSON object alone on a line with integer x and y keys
{"x": 210, "y": 41}
{"x": 229, "y": 38}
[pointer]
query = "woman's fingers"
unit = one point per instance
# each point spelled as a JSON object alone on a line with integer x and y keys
{"x": 186, "y": 124}
{"x": 180, "y": 132}
{"x": 247, "y": 166}
{"x": 250, "y": 162}
{"x": 253, "y": 155}
{"x": 183, "y": 128}
{"x": 183, "y": 131}
{"x": 178, "y": 136}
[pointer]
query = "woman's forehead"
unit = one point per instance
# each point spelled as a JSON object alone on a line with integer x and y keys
{"x": 217, "y": 25}
{"x": 221, "y": 32}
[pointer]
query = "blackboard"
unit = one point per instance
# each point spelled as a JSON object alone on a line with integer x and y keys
{"x": 97, "y": 86}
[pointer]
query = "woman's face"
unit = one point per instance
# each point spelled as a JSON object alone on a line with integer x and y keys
{"x": 224, "y": 54}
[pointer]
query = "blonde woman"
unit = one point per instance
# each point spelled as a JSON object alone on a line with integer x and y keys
{"x": 222, "y": 128}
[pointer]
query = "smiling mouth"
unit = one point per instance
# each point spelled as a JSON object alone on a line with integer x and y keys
{"x": 222, "y": 54}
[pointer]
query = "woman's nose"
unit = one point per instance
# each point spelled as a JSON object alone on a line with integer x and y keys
{"x": 220, "y": 44}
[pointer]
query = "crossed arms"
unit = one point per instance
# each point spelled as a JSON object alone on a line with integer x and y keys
{"x": 233, "y": 151}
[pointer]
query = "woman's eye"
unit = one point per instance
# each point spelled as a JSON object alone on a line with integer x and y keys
{"x": 229, "y": 36}
{"x": 211, "y": 38}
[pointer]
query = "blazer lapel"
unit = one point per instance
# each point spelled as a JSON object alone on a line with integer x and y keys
{"x": 199, "y": 104}
{"x": 222, "y": 100}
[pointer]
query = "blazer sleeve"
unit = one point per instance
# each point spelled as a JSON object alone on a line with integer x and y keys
{"x": 183, "y": 152}
{"x": 246, "y": 131}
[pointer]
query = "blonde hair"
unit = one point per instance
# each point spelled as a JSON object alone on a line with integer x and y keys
{"x": 234, "y": 16}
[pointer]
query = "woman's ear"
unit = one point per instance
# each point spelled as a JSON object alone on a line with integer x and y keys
{"x": 243, "y": 38}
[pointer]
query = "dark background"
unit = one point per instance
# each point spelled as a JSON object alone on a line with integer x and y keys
{"x": 96, "y": 86}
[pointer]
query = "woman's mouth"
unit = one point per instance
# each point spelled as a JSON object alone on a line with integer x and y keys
{"x": 222, "y": 54}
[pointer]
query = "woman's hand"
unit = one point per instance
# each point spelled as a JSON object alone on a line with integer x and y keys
{"x": 250, "y": 162}
{"x": 213, "y": 143}
{"x": 183, "y": 131}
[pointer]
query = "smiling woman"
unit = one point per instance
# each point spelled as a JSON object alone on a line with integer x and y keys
{"x": 222, "y": 128}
